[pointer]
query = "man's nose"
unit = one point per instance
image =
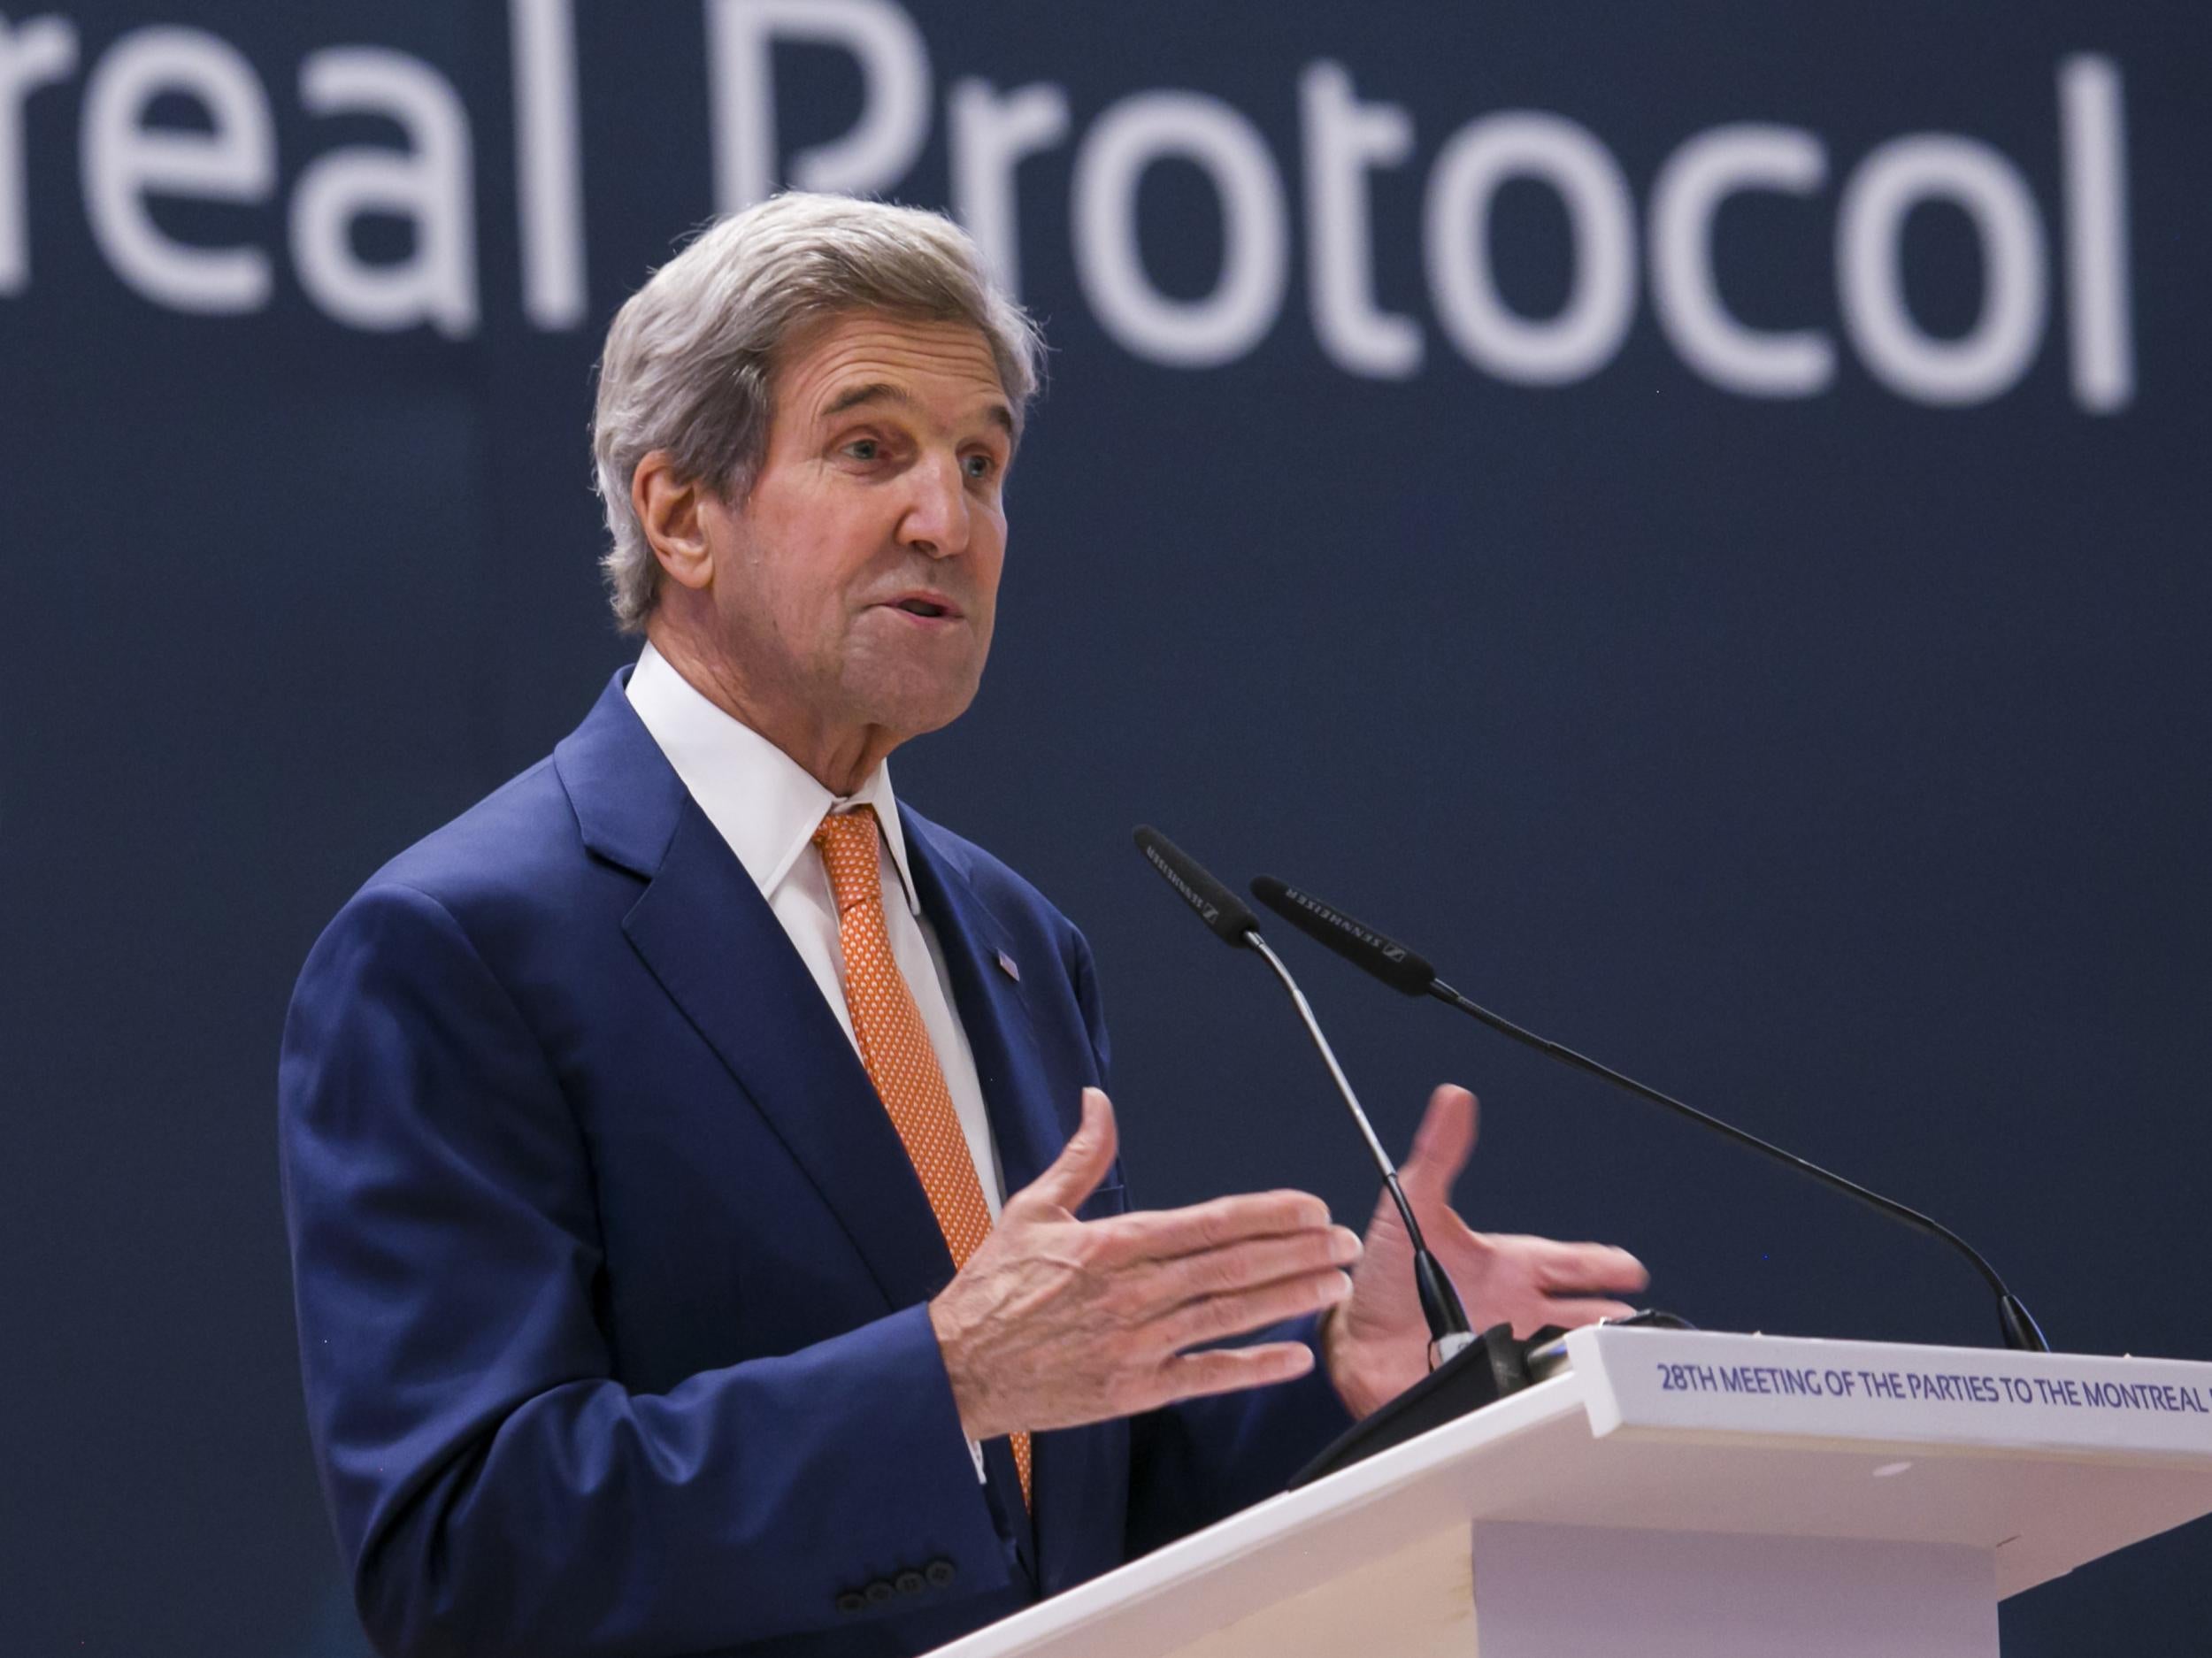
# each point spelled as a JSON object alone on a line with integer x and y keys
{"x": 935, "y": 523}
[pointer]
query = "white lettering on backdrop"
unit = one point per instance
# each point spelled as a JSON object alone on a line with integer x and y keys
{"x": 225, "y": 154}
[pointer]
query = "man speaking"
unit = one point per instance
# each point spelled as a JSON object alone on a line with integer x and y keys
{"x": 702, "y": 1199}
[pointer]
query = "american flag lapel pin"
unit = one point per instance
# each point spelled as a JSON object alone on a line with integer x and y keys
{"x": 1006, "y": 966}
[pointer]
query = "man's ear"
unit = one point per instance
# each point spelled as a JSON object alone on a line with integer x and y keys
{"x": 668, "y": 506}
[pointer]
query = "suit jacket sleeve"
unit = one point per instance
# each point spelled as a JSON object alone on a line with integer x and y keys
{"x": 495, "y": 1490}
{"x": 1204, "y": 1459}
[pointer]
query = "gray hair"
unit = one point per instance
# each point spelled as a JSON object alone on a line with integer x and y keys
{"x": 690, "y": 356}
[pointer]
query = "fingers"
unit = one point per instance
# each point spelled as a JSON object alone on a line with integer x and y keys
{"x": 1083, "y": 1161}
{"x": 1249, "y": 1264}
{"x": 1160, "y": 1234}
{"x": 1228, "y": 1370}
{"x": 1441, "y": 1145}
{"x": 1585, "y": 1269}
{"x": 1218, "y": 1317}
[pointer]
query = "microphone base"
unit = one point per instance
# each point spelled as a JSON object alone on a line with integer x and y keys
{"x": 1481, "y": 1373}
{"x": 2022, "y": 1334}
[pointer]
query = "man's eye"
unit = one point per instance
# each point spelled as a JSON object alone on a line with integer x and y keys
{"x": 864, "y": 449}
{"x": 980, "y": 466}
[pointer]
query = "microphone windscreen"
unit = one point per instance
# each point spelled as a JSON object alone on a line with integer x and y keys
{"x": 1362, "y": 946}
{"x": 1217, "y": 906}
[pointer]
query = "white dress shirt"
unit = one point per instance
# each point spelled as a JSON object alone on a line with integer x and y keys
{"x": 766, "y": 806}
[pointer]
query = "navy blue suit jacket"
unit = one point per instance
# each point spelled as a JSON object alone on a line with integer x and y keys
{"x": 611, "y": 1269}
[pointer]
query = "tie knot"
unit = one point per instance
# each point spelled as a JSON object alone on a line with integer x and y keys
{"x": 848, "y": 841}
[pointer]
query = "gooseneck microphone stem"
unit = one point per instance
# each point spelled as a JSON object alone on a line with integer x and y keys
{"x": 1895, "y": 1210}
{"x": 1343, "y": 1086}
{"x": 1343, "y": 1083}
{"x": 1410, "y": 975}
{"x": 1448, "y": 1320}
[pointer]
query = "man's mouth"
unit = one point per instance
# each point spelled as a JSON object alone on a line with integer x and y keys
{"x": 928, "y": 605}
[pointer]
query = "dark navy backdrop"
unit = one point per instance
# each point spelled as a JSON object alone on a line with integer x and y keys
{"x": 1836, "y": 759}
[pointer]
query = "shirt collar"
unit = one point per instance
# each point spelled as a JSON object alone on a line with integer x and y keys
{"x": 761, "y": 801}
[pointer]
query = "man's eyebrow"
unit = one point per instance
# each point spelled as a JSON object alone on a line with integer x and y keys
{"x": 883, "y": 391}
{"x": 876, "y": 391}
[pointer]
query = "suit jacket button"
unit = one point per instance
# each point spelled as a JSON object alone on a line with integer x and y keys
{"x": 907, "y": 1582}
{"x": 880, "y": 1590}
{"x": 851, "y": 1601}
{"x": 939, "y": 1572}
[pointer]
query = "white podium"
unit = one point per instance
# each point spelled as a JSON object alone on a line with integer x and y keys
{"x": 1683, "y": 1494}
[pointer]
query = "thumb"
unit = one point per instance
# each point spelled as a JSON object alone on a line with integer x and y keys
{"x": 1442, "y": 1144}
{"x": 1083, "y": 1161}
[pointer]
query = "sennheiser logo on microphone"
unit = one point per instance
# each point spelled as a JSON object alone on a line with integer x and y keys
{"x": 1210, "y": 912}
{"x": 1320, "y": 911}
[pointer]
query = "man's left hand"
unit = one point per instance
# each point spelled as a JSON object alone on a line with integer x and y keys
{"x": 1376, "y": 1344}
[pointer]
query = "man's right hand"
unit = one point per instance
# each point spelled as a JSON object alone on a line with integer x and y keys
{"x": 1056, "y": 1322}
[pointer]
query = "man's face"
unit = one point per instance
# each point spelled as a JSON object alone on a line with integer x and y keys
{"x": 858, "y": 580}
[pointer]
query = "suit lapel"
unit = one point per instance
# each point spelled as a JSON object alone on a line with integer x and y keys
{"x": 718, "y": 950}
{"x": 706, "y": 934}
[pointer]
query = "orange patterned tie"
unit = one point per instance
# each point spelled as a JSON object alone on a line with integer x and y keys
{"x": 895, "y": 1046}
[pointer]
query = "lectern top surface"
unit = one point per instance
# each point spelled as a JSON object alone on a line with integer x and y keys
{"x": 2046, "y": 1461}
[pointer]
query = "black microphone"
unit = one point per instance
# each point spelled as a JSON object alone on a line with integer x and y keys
{"x": 1226, "y": 916}
{"x": 1407, "y": 974}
